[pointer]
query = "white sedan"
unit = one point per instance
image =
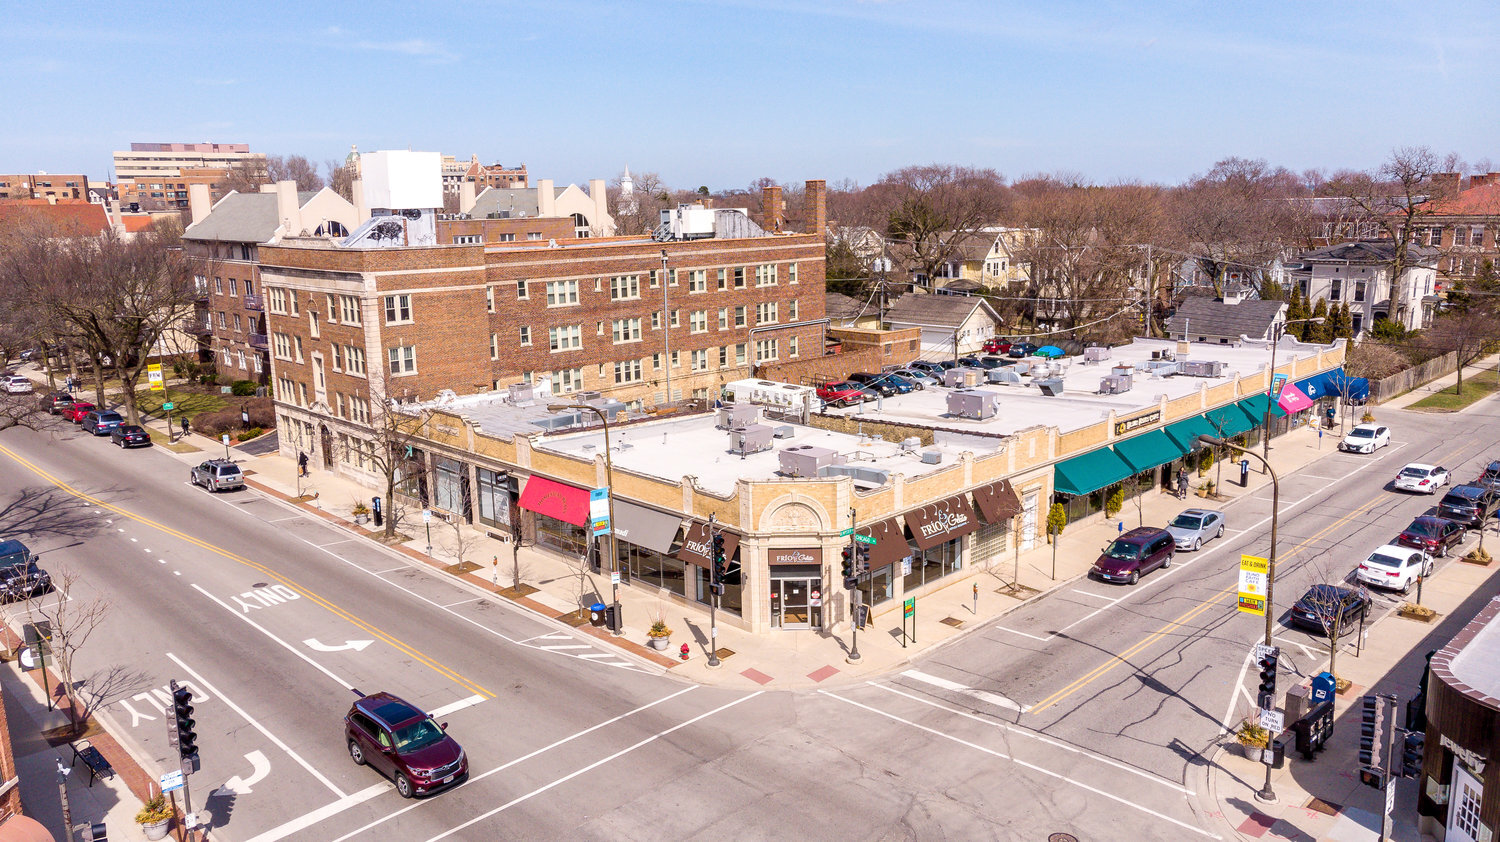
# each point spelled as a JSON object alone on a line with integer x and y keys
{"x": 1366, "y": 438}
{"x": 1394, "y": 567}
{"x": 17, "y": 385}
{"x": 1422, "y": 478}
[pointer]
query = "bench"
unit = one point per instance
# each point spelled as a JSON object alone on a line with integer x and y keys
{"x": 98, "y": 764}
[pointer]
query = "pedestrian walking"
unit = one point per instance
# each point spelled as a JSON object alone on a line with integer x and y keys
{"x": 301, "y": 464}
{"x": 184, "y": 426}
{"x": 1182, "y": 483}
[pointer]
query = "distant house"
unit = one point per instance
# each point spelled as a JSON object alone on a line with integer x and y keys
{"x": 1358, "y": 273}
{"x": 1225, "y": 321}
{"x": 948, "y": 323}
{"x": 867, "y": 245}
{"x": 843, "y": 311}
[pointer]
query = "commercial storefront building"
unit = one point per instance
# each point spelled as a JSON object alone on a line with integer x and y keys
{"x": 1459, "y": 795}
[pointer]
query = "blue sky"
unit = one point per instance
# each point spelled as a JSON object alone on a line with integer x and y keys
{"x": 721, "y": 93}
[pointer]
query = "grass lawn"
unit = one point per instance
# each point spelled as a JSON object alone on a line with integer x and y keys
{"x": 183, "y": 402}
{"x": 1448, "y": 400}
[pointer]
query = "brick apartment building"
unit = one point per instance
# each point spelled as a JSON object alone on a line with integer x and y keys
{"x": 1464, "y": 227}
{"x": 622, "y": 317}
{"x": 47, "y": 186}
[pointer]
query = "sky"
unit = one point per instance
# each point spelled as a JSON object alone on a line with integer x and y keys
{"x": 722, "y": 92}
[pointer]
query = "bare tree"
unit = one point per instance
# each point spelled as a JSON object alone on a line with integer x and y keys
{"x": 1398, "y": 197}
{"x": 245, "y": 176}
{"x": 1469, "y": 335}
{"x": 1236, "y": 217}
{"x": 1339, "y": 603}
{"x": 294, "y": 168}
{"x": 640, "y": 211}
{"x": 340, "y": 178}
{"x": 72, "y": 619}
{"x": 930, "y": 211}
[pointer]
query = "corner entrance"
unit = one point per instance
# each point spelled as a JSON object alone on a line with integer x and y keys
{"x": 797, "y": 598}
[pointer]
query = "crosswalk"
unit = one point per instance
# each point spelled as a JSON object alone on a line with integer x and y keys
{"x": 569, "y": 646}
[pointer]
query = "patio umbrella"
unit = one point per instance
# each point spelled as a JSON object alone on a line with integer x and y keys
{"x": 1049, "y": 351}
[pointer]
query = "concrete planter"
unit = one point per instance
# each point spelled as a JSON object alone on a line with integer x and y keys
{"x": 156, "y": 829}
{"x": 660, "y": 644}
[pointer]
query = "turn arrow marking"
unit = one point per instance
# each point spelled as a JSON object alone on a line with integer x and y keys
{"x": 356, "y": 645}
{"x": 241, "y": 786}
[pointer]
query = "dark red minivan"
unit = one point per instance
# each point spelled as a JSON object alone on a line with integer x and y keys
{"x": 1135, "y": 553}
{"x": 405, "y": 744}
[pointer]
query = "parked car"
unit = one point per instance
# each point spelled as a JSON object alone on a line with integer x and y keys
{"x": 217, "y": 475}
{"x": 1021, "y": 349}
{"x": 78, "y": 411}
{"x": 130, "y": 435}
{"x": 1195, "y": 526}
{"x": 929, "y": 367}
{"x": 1366, "y": 438}
{"x": 100, "y": 422}
{"x": 1394, "y": 566}
{"x": 1137, "y": 552}
{"x": 1331, "y": 609}
{"x": 884, "y": 384}
{"x": 996, "y": 346}
{"x": 1432, "y": 535}
{"x": 919, "y": 379}
{"x": 841, "y": 393}
{"x": 1490, "y": 479}
{"x": 1467, "y": 504}
{"x": 985, "y": 363}
{"x": 20, "y": 577}
{"x": 18, "y": 385}
{"x": 1423, "y": 478}
{"x": 399, "y": 740}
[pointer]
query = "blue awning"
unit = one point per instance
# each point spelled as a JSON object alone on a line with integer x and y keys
{"x": 1326, "y": 385}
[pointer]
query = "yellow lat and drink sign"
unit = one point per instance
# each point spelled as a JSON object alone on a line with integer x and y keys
{"x": 1254, "y": 572}
{"x": 153, "y": 376}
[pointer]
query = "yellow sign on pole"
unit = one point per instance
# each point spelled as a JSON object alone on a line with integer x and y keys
{"x": 153, "y": 376}
{"x": 1254, "y": 573}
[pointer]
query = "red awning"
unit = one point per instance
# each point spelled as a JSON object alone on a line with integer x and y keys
{"x": 553, "y": 499}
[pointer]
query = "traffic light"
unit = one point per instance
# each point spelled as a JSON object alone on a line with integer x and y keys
{"x": 1372, "y": 777}
{"x": 1266, "y": 694}
{"x": 862, "y": 559}
{"x": 720, "y": 567}
{"x": 1371, "y": 723}
{"x": 182, "y": 710}
{"x": 846, "y": 569}
{"x": 1411, "y": 754}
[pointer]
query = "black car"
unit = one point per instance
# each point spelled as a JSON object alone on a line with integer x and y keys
{"x": 985, "y": 363}
{"x": 880, "y": 383}
{"x": 130, "y": 435}
{"x": 1022, "y": 349}
{"x": 1330, "y": 609}
{"x": 1467, "y": 504}
{"x": 1490, "y": 479}
{"x": 20, "y": 577}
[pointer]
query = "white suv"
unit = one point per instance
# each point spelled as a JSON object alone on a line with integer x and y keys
{"x": 17, "y": 385}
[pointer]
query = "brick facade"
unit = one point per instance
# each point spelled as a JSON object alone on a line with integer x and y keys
{"x": 231, "y": 308}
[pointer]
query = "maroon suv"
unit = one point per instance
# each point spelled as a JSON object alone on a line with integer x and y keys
{"x": 1136, "y": 552}
{"x": 404, "y": 743}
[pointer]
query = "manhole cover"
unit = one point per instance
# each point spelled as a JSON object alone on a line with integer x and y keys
{"x": 1062, "y": 837}
{"x": 723, "y": 653}
{"x": 952, "y": 621}
{"x": 261, "y": 585}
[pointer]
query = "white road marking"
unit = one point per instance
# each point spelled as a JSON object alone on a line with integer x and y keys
{"x": 455, "y": 706}
{"x": 592, "y": 766}
{"x": 1099, "y": 792}
{"x": 463, "y": 601}
{"x": 307, "y": 820}
{"x": 289, "y": 647}
{"x": 557, "y": 636}
{"x": 392, "y": 570}
{"x": 592, "y": 655}
{"x": 261, "y": 728}
{"x": 284, "y": 519}
{"x": 1024, "y": 634}
{"x": 981, "y": 695}
{"x": 132, "y": 540}
{"x": 562, "y": 646}
{"x": 357, "y": 645}
{"x": 504, "y": 766}
{"x": 1095, "y": 595}
{"x": 260, "y": 767}
{"x": 331, "y": 543}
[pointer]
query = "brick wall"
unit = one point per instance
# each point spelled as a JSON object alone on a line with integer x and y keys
{"x": 522, "y": 229}
{"x": 889, "y": 430}
{"x": 810, "y": 372}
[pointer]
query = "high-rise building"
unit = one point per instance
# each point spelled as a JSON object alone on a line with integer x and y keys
{"x": 157, "y": 176}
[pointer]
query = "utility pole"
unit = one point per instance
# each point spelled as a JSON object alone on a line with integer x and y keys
{"x": 62, "y": 791}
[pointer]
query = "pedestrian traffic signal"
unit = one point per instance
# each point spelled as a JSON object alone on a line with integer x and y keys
{"x": 1266, "y": 693}
{"x": 1372, "y": 777}
{"x": 1371, "y": 723}
{"x": 182, "y": 711}
{"x": 1411, "y": 754}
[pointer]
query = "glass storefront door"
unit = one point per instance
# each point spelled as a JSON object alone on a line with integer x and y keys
{"x": 797, "y": 603}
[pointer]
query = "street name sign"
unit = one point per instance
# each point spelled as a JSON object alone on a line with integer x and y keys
{"x": 864, "y": 539}
{"x": 172, "y": 780}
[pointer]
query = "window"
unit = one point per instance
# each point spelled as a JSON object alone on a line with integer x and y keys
{"x": 765, "y": 313}
{"x": 599, "y": 328}
{"x": 697, "y": 281}
{"x": 297, "y": 348}
{"x": 525, "y": 335}
{"x": 698, "y": 321}
{"x": 656, "y": 321}
{"x": 218, "y": 286}
{"x": 723, "y": 318}
{"x": 765, "y": 275}
{"x": 276, "y": 300}
{"x": 627, "y": 330}
{"x": 291, "y": 302}
{"x": 567, "y": 380}
{"x": 1435, "y": 236}
{"x": 237, "y": 328}
{"x": 671, "y": 277}
{"x": 1476, "y": 236}
{"x": 565, "y": 338}
{"x": 281, "y": 345}
{"x": 1359, "y": 290}
{"x": 223, "y": 321}
{"x": 359, "y": 410}
{"x": 242, "y": 359}
{"x": 765, "y": 350}
{"x": 234, "y": 289}
{"x": 723, "y": 356}
{"x": 624, "y": 287}
{"x": 791, "y": 347}
{"x": 507, "y": 238}
{"x": 739, "y": 277}
{"x": 354, "y": 360}
{"x": 628, "y": 371}
{"x": 533, "y": 235}
{"x": 1460, "y": 236}
{"x": 349, "y": 309}
{"x": 336, "y": 357}
{"x": 332, "y": 309}
{"x": 403, "y": 359}
{"x": 1335, "y": 290}
{"x": 494, "y": 346}
{"x": 521, "y": 293}
{"x": 312, "y": 323}
{"x": 467, "y": 239}
{"x": 397, "y": 309}
{"x": 676, "y": 359}
{"x": 699, "y": 360}
{"x": 791, "y": 272}
{"x": 739, "y": 316}
{"x": 250, "y": 285}
{"x": 562, "y": 293}
{"x": 489, "y": 299}
{"x": 656, "y": 362}
{"x": 723, "y": 280}
{"x": 676, "y": 322}
{"x": 791, "y": 310}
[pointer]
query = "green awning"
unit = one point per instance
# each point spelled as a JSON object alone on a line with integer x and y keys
{"x": 1255, "y": 407}
{"x": 1228, "y": 420}
{"x": 1185, "y": 433}
{"x": 1090, "y": 472}
{"x": 1147, "y": 451}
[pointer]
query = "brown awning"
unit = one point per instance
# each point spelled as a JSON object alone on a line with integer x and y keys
{"x": 890, "y": 543}
{"x": 697, "y": 547}
{"x": 942, "y": 521}
{"x": 793, "y": 555}
{"x": 997, "y": 501}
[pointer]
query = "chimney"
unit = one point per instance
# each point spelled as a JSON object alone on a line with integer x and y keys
{"x": 1445, "y": 182}
{"x": 465, "y": 196}
{"x": 361, "y": 212}
{"x": 268, "y": 188}
{"x": 288, "y": 208}
{"x": 600, "y": 194}
{"x": 546, "y": 198}
{"x": 199, "y": 201}
{"x": 817, "y": 206}
{"x": 1478, "y": 180}
{"x": 772, "y": 209}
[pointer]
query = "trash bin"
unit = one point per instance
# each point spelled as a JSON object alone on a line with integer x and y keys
{"x": 1275, "y": 754}
{"x": 596, "y": 615}
{"x": 613, "y": 618}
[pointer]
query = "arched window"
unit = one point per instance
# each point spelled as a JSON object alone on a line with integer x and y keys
{"x": 581, "y": 226}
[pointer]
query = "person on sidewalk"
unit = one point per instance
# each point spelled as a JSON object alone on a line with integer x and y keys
{"x": 1182, "y": 483}
{"x": 301, "y": 464}
{"x": 184, "y": 427}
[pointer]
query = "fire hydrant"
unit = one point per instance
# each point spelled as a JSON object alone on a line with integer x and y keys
{"x": 685, "y": 651}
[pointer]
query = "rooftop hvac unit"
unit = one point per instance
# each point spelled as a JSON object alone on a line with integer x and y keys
{"x": 1005, "y": 376}
{"x": 932, "y": 457}
{"x": 1125, "y": 369}
{"x": 1159, "y": 368}
{"x": 860, "y": 473}
{"x": 785, "y": 431}
{"x": 961, "y": 377}
{"x": 911, "y": 443}
{"x": 737, "y": 415}
{"x": 1114, "y": 384}
{"x": 806, "y": 460}
{"x": 1203, "y": 368}
{"x": 1096, "y": 353}
{"x": 975, "y": 404}
{"x": 1051, "y": 388}
{"x": 751, "y": 439}
{"x": 585, "y": 397}
{"x": 522, "y": 394}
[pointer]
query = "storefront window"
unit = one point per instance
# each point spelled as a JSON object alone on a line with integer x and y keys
{"x": 928, "y": 566}
{"x": 654, "y": 569}
{"x": 561, "y": 535}
{"x": 411, "y": 477}
{"x": 733, "y": 588}
{"x": 876, "y": 585}
{"x": 494, "y": 498}
{"x": 449, "y": 477}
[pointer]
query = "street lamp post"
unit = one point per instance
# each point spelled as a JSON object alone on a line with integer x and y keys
{"x": 609, "y": 496}
{"x": 1266, "y": 793}
{"x": 1277, "y": 332}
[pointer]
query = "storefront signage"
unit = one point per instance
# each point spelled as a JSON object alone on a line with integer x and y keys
{"x": 1277, "y": 381}
{"x": 909, "y": 607}
{"x": 794, "y": 555}
{"x": 997, "y": 502}
{"x": 1253, "y": 575}
{"x": 697, "y": 546}
{"x": 1135, "y": 423}
{"x": 153, "y": 376}
{"x": 815, "y": 599}
{"x": 1472, "y": 759}
{"x": 942, "y": 521}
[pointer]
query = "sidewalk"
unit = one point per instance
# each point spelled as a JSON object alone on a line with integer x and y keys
{"x": 553, "y": 586}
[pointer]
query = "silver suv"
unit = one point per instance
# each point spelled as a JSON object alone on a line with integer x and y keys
{"x": 218, "y": 475}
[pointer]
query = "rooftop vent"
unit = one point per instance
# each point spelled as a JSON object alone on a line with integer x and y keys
{"x": 859, "y": 473}
{"x": 1051, "y": 388}
{"x": 806, "y": 460}
{"x": 932, "y": 457}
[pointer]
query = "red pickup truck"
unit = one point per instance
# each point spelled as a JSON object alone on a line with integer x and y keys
{"x": 841, "y": 393}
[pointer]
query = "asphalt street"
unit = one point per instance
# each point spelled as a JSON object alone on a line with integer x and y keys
{"x": 1085, "y": 711}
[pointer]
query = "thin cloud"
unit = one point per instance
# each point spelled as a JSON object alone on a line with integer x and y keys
{"x": 418, "y": 47}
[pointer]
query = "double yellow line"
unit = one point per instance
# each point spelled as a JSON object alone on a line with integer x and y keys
{"x": 1184, "y": 618}
{"x": 259, "y": 568}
